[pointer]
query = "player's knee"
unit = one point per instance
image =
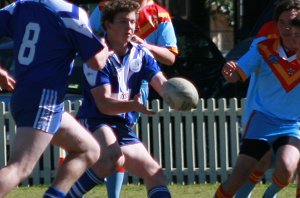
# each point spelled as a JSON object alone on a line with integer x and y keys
{"x": 155, "y": 173}
{"x": 158, "y": 178}
{"x": 92, "y": 154}
{"x": 111, "y": 160}
{"x": 113, "y": 157}
{"x": 22, "y": 171}
{"x": 120, "y": 161}
{"x": 286, "y": 170}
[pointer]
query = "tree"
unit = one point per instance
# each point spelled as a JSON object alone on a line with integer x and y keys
{"x": 225, "y": 7}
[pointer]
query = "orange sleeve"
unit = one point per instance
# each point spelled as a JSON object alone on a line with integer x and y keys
{"x": 241, "y": 73}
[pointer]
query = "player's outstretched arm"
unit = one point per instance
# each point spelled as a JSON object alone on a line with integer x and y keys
{"x": 161, "y": 54}
{"x": 109, "y": 105}
{"x": 157, "y": 82}
{"x": 230, "y": 73}
{"x": 139, "y": 107}
{"x": 6, "y": 81}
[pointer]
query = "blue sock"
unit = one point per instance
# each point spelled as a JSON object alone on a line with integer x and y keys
{"x": 53, "y": 192}
{"x": 114, "y": 184}
{"x": 245, "y": 190}
{"x": 272, "y": 191}
{"x": 159, "y": 192}
{"x": 85, "y": 183}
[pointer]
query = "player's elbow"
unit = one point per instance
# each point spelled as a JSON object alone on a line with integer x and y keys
{"x": 107, "y": 112}
{"x": 169, "y": 60}
{"x": 104, "y": 109}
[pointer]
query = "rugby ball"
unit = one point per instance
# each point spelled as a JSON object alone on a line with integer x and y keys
{"x": 180, "y": 94}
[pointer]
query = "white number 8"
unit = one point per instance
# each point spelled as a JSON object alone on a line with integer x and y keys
{"x": 30, "y": 38}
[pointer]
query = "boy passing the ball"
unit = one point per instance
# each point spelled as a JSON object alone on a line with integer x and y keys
{"x": 155, "y": 31}
{"x": 112, "y": 101}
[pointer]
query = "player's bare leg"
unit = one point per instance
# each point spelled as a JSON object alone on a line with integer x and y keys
{"x": 287, "y": 158}
{"x": 298, "y": 181}
{"x": 286, "y": 164}
{"x": 139, "y": 162}
{"x": 256, "y": 175}
{"x": 240, "y": 174}
{"x": 83, "y": 151}
{"x": 110, "y": 159}
{"x": 111, "y": 155}
{"x": 29, "y": 144}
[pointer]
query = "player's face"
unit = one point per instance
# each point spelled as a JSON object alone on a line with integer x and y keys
{"x": 123, "y": 27}
{"x": 284, "y": 28}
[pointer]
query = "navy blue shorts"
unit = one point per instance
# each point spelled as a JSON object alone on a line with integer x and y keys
{"x": 124, "y": 133}
{"x": 39, "y": 110}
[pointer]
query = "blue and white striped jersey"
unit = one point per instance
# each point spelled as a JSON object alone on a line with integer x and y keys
{"x": 125, "y": 77}
{"x": 47, "y": 35}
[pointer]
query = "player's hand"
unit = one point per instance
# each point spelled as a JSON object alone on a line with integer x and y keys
{"x": 6, "y": 81}
{"x": 99, "y": 60}
{"x": 229, "y": 71}
{"x": 138, "y": 40}
{"x": 139, "y": 107}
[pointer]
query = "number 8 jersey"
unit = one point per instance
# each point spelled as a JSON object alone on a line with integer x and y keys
{"x": 46, "y": 41}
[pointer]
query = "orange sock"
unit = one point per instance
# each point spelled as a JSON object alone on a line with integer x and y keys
{"x": 60, "y": 161}
{"x": 220, "y": 193}
{"x": 255, "y": 176}
{"x": 278, "y": 183}
{"x": 121, "y": 170}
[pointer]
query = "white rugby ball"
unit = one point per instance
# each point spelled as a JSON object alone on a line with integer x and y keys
{"x": 180, "y": 94}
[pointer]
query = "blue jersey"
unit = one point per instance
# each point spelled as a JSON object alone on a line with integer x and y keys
{"x": 47, "y": 36}
{"x": 125, "y": 78}
{"x": 275, "y": 88}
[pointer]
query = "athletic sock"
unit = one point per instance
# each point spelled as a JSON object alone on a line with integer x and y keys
{"x": 245, "y": 190}
{"x": 114, "y": 183}
{"x": 274, "y": 188}
{"x": 85, "y": 183}
{"x": 159, "y": 191}
{"x": 54, "y": 192}
{"x": 220, "y": 193}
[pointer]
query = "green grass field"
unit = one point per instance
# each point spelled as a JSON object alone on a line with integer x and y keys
{"x": 133, "y": 191}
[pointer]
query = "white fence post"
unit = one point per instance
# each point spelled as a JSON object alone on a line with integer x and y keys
{"x": 201, "y": 142}
{"x": 3, "y": 136}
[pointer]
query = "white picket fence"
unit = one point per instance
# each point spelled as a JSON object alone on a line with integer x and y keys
{"x": 199, "y": 146}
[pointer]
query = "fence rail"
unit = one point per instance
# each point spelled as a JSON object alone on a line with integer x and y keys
{"x": 199, "y": 146}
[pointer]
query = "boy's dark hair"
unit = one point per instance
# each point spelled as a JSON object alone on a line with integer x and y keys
{"x": 112, "y": 8}
{"x": 285, "y": 5}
